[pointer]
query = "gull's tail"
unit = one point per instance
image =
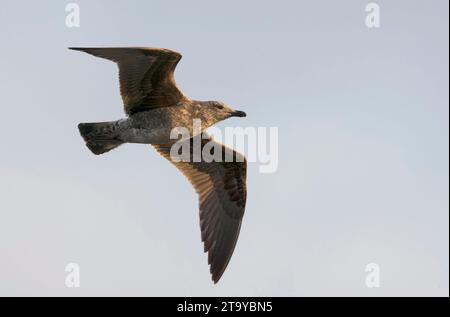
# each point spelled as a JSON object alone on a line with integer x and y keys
{"x": 100, "y": 137}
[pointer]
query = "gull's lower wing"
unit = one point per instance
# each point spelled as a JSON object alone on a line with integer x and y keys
{"x": 222, "y": 191}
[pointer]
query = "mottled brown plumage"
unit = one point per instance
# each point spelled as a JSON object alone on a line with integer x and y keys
{"x": 155, "y": 106}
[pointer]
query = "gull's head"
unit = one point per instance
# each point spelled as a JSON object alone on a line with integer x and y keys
{"x": 223, "y": 111}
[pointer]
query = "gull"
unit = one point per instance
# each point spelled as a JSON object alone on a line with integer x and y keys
{"x": 154, "y": 105}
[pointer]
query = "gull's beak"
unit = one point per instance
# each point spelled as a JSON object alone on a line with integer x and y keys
{"x": 238, "y": 113}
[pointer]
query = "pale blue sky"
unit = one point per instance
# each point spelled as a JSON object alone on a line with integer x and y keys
{"x": 363, "y": 149}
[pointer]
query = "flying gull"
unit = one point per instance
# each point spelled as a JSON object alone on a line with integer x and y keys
{"x": 154, "y": 105}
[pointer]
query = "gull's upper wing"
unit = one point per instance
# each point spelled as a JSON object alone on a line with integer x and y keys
{"x": 222, "y": 191}
{"x": 146, "y": 75}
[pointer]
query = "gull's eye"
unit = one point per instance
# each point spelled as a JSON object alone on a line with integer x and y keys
{"x": 219, "y": 107}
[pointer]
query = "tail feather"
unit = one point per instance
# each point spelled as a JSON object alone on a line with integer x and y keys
{"x": 100, "y": 137}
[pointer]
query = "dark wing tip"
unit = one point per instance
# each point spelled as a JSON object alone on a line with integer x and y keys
{"x": 219, "y": 255}
{"x": 215, "y": 279}
{"x": 81, "y": 49}
{"x": 216, "y": 272}
{"x": 217, "y": 275}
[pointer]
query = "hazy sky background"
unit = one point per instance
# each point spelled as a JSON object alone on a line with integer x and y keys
{"x": 363, "y": 118}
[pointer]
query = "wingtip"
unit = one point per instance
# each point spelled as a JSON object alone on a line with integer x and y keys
{"x": 215, "y": 277}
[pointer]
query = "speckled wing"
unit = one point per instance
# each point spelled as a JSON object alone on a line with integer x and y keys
{"x": 221, "y": 187}
{"x": 145, "y": 74}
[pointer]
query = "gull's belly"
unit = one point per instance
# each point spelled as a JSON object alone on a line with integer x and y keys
{"x": 154, "y": 126}
{"x": 147, "y": 136}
